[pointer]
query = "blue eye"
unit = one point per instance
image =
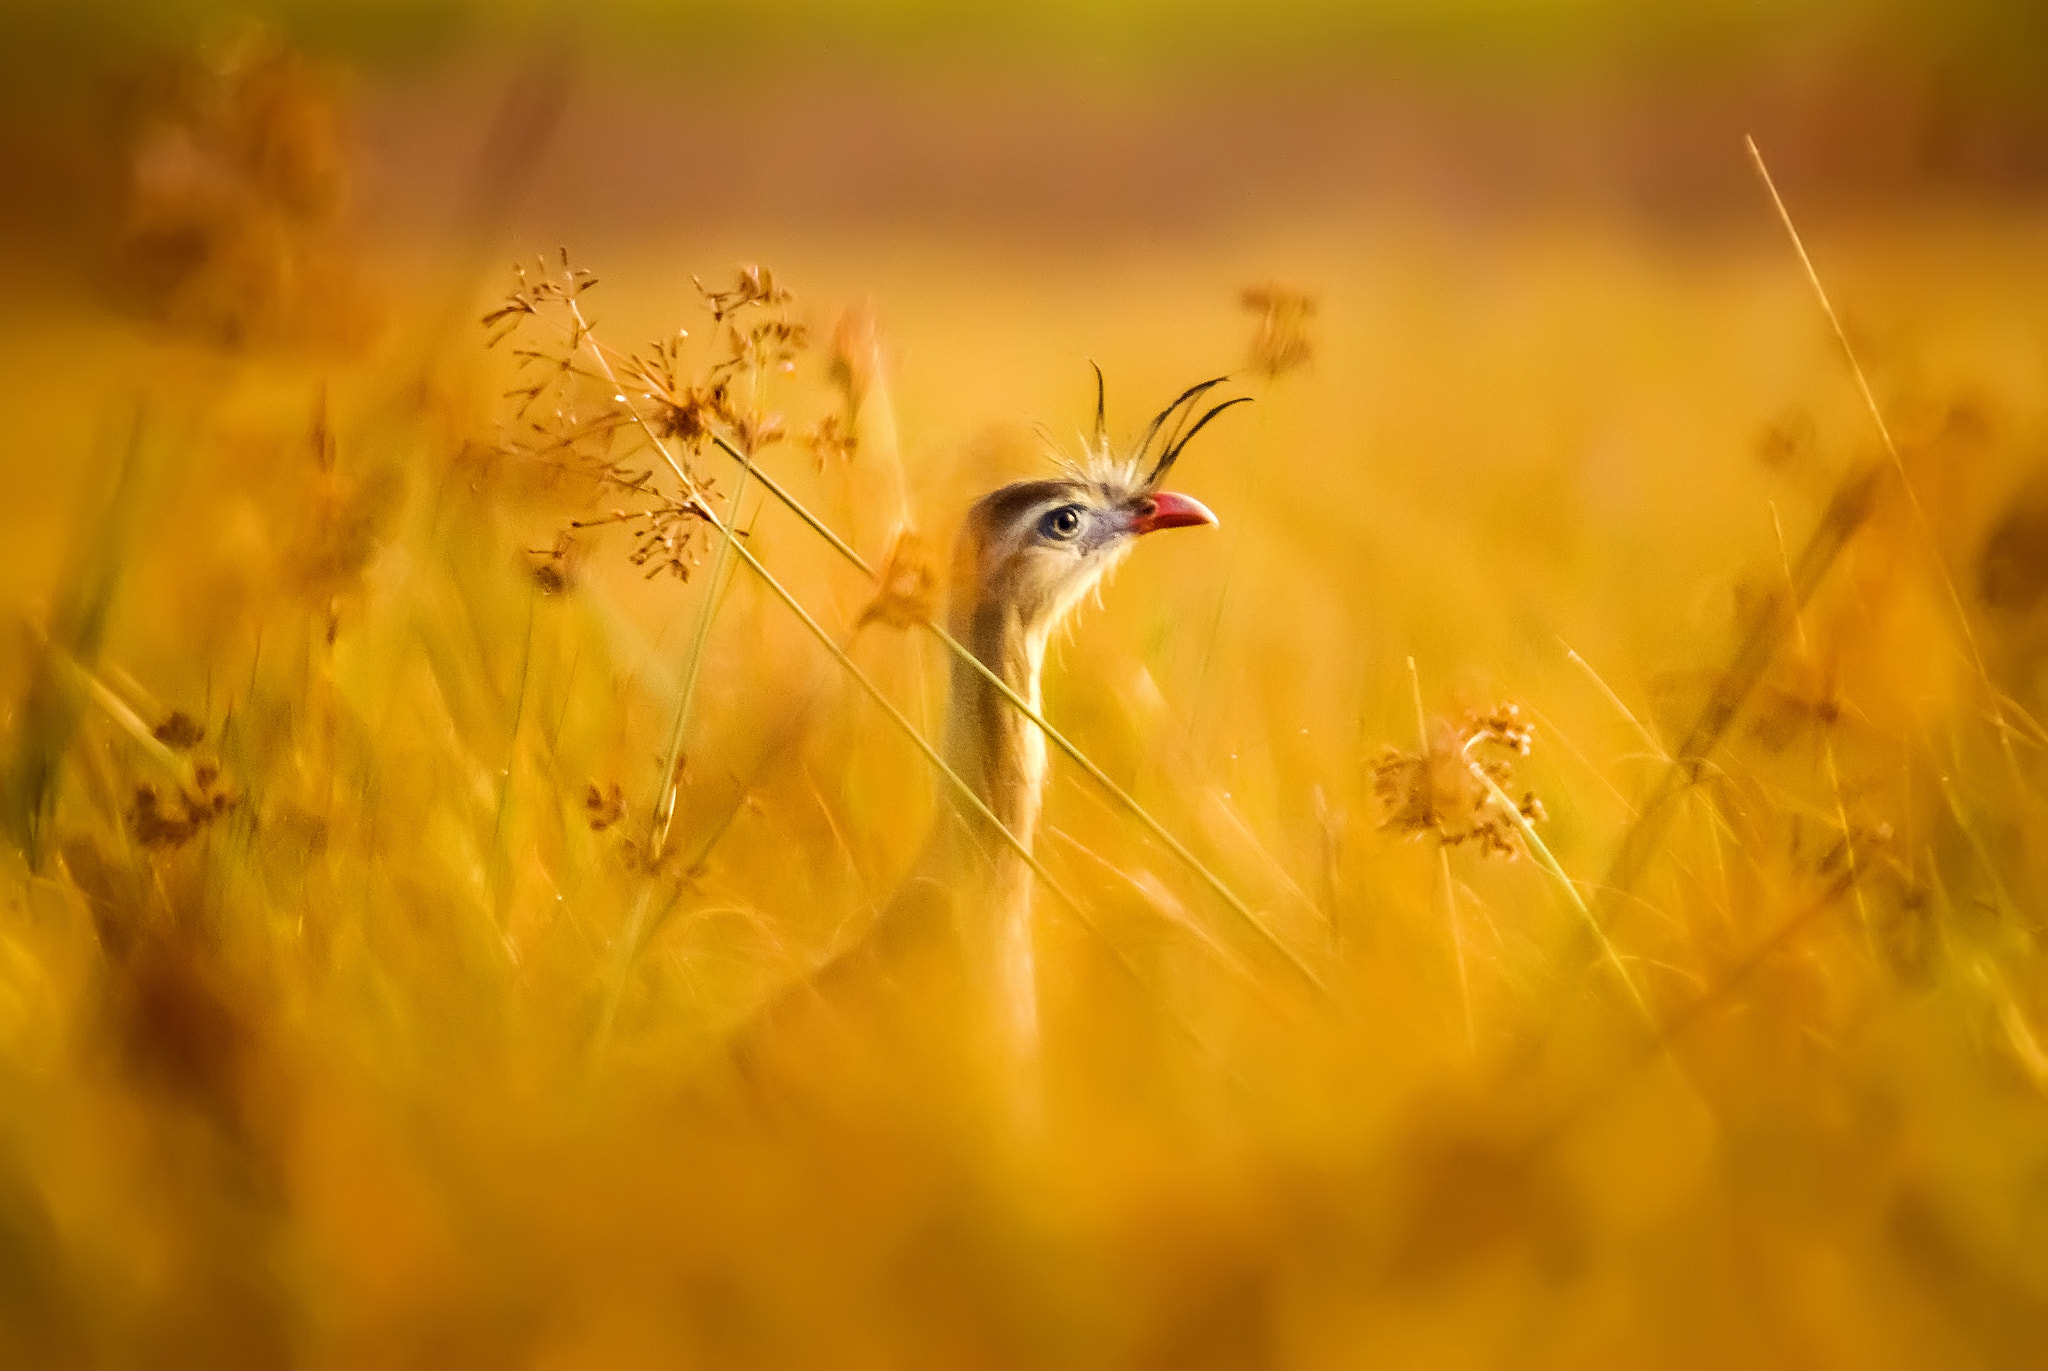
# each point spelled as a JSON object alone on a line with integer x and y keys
{"x": 1062, "y": 523}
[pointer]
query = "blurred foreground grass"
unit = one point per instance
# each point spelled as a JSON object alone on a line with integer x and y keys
{"x": 324, "y": 775}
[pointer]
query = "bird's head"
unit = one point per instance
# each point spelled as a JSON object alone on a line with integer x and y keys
{"x": 1034, "y": 548}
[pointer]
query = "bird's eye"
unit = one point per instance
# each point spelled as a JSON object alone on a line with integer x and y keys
{"x": 1062, "y": 523}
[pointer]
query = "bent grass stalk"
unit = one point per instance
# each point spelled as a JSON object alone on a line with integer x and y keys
{"x": 1443, "y": 855}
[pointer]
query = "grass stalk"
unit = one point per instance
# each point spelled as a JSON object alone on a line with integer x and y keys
{"x": 1548, "y": 861}
{"x": 129, "y": 722}
{"x": 1827, "y": 743}
{"x": 1891, "y": 447}
{"x": 670, "y": 783}
{"x": 1444, "y": 870}
{"x": 49, "y": 714}
{"x": 658, "y": 821}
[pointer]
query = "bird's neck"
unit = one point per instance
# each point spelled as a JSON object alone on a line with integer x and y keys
{"x": 1001, "y": 756}
{"x": 993, "y": 747}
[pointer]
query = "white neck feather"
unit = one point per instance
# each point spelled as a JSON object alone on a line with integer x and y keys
{"x": 1001, "y": 755}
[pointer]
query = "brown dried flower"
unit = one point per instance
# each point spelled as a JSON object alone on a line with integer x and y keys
{"x": 179, "y": 731}
{"x": 909, "y": 584}
{"x": 605, "y": 806}
{"x": 1454, "y": 788}
{"x": 159, "y": 821}
{"x": 1280, "y": 340}
{"x": 831, "y": 439}
{"x": 554, "y": 569}
{"x": 857, "y": 358}
{"x": 753, "y": 284}
{"x": 636, "y": 422}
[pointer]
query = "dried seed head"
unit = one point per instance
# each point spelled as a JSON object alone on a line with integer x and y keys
{"x": 179, "y": 731}
{"x": 604, "y": 806}
{"x": 1445, "y": 790}
{"x": 909, "y": 585}
{"x": 636, "y": 423}
{"x": 831, "y": 439}
{"x": 753, "y": 284}
{"x": 554, "y": 569}
{"x": 1280, "y": 339}
{"x": 856, "y": 361}
{"x": 162, "y": 822}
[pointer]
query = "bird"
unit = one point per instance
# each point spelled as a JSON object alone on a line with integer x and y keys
{"x": 959, "y": 930}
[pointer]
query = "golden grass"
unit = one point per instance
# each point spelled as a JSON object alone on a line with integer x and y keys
{"x": 300, "y": 1020}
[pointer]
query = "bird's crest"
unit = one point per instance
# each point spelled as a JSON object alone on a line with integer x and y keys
{"x": 1169, "y": 433}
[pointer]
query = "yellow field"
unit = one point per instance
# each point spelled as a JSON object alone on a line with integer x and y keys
{"x": 347, "y": 1024}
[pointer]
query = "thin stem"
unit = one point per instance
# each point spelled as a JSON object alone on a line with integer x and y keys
{"x": 636, "y": 922}
{"x": 1549, "y": 862}
{"x": 1443, "y": 855}
{"x": 664, "y": 816}
{"x": 1891, "y": 448}
{"x": 1656, "y": 748}
{"x": 131, "y": 723}
{"x": 664, "y": 809}
{"x": 1827, "y": 743}
{"x": 795, "y": 506}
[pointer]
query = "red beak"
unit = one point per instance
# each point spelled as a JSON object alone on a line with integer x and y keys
{"x": 1164, "y": 509}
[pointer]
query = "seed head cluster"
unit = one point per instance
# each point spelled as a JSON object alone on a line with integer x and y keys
{"x": 1281, "y": 340}
{"x": 161, "y": 820}
{"x": 909, "y": 590}
{"x": 637, "y": 423}
{"x": 1453, "y": 789}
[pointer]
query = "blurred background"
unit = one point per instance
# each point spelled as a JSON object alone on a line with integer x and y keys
{"x": 1053, "y": 125}
{"x": 364, "y": 994}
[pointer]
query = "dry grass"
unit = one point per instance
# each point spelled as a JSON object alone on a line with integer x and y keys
{"x": 377, "y": 907}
